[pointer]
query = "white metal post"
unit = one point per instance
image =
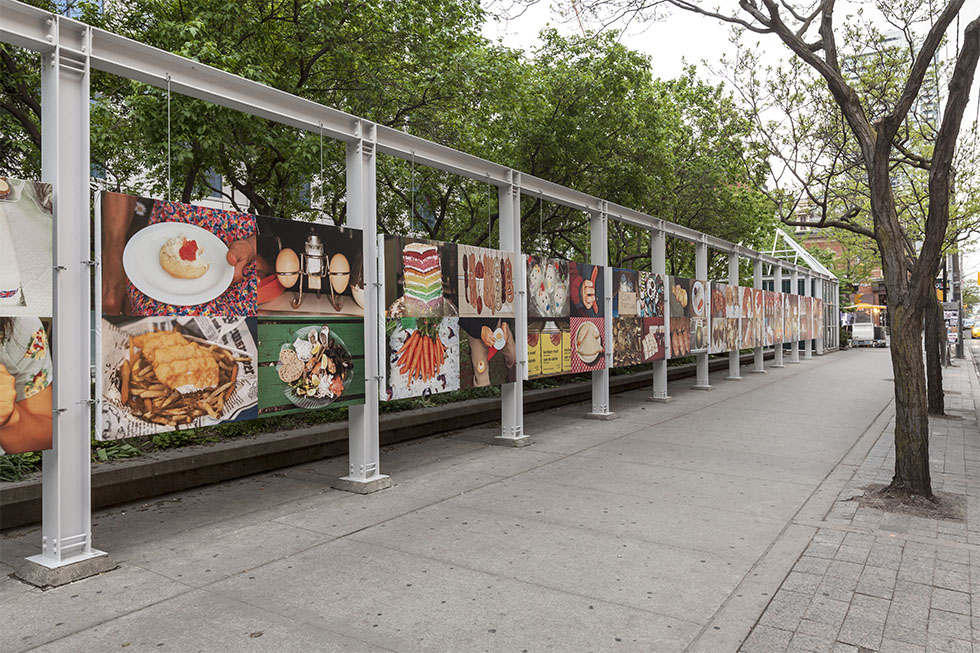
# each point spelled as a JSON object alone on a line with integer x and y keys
{"x": 66, "y": 497}
{"x": 512, "y": 394}
{"x": 658, "y": 265}
{"x": 777, "y": 285}
{"x": 808, "y": 291}
{"x": 734, "y": 357}
{"x": 701, "y": 272}
{"x": 364, "y": 433}
{"x": 819, "y": 336}
{"x": 600, "y": 256}
{"x": 759, "y": 367}
{"x": 794, "y": 289}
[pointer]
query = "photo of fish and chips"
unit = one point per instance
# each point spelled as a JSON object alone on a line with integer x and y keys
{"x": 547, "y": 287}
{"x": 487, "y": 286}
{"x": 307, "y": 267}
{"x": 165, "y": 373}
{"x": 307, "y": 363}
{"x": 170, "y": 258}
{"x": 586, "y": 290}
{"x": 420, "y": 279}
{"x": 487, "y": 352}
{"x": 26, "y": 245}
{"x": 549, "y": 347}
{"x": 423, "y": 356}
{"x": 588, "y": 344}
{"x": 651, "y": 300}
{"x": 26, "y": 372}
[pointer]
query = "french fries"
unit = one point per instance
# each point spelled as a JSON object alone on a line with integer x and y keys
{"x": 143, "y": 394}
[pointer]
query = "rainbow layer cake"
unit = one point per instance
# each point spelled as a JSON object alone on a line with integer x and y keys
{"x": 423, "y": 273}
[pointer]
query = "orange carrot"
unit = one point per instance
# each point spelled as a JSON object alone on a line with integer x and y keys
{"x": 427, "y": 342}
{"x": 408, "y": 343}
{"x": 416, "y": 353}
{"x": 411, "y": 343}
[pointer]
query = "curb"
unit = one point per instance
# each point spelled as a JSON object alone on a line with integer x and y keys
{"x": 164, "y": 472}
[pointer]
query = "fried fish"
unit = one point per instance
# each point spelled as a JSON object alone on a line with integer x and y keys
{"x": 178, "y": 363}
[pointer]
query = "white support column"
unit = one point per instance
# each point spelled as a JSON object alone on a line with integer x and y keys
{"x": 701, "y": 272}
{"x": 364, "y": 473}
{"x": 808, "y": 291}
{"x": 734, "y": 357}
{"x": 759, "y": 356}
{"x": 658, "y": 264}
{"x": 600, "y": 256}
{"x": 512, "y": 394}
{"x": 777, "y": 285}
{"x": 66, "y": 528}
{"x": 794, "y": 289}
{"x": 818, "y": 340}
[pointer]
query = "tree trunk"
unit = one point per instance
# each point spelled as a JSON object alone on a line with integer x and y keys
{"x": 911, "y": 421}
{"x": 935, "y": 339}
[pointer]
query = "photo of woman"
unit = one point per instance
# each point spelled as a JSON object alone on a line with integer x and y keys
{"x": 25, "y": 386}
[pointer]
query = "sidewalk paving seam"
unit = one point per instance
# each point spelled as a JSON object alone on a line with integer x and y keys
{"x": 732, "y": 602}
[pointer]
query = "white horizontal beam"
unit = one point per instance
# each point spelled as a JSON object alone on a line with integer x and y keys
{"x": 29, "y": 27}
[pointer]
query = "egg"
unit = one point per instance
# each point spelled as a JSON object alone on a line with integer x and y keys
{"x": 287, "y": 268}
{"x": 339, "y": 273}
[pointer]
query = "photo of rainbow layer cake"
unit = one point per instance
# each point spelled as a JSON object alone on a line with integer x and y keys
{"x": 423, "y": 274}
{"x": 419, "y": 277}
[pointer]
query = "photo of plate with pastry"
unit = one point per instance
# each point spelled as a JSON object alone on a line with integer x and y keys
{"x": 698, "y": 298}
{"x": 177, "y": 263}
{"x": 317, "y": 367}
{"x": 588, "y": 343}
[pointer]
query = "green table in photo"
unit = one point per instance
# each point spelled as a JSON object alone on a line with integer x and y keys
{"x": 276, "y": 331}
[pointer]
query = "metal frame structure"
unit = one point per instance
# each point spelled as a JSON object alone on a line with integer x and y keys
{"x": 70, "y": 49}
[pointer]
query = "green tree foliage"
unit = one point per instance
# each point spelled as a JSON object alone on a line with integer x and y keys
{"x": 580, "y": 111}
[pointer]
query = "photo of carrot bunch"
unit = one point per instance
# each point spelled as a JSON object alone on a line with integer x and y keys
{"x": 423, "y": 354}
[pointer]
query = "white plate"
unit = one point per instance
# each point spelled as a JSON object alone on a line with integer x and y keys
{"x": 141, "y": 261}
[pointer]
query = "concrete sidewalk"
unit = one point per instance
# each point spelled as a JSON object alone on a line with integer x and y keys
{"x": 872, "y": 580}
{"x": 669, "y": 528}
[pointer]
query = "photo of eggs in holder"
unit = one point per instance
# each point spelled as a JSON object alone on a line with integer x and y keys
{"x": 306, "y": 267}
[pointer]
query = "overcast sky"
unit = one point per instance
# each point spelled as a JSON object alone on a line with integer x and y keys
{"x": 685, "y": 38}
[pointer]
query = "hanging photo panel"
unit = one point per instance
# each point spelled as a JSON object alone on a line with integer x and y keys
{"x": 547, "y": 288}
{"x": 653, "y": 338}
{"x": 586, "y": 288}
{"x": 309, "y": 363}
{"x": 778, "y": 319}
{"x": 420, "y": 278}
{"x": 749, "y": 325}
{"x": 26, "y": 261}
{"x": 422, "y": 356}
{"x": 26, "y": 370}
{"x": 309, "y": 268}
{"x": 486, "y": 282}
{"x": 164, "y": 373}
{"x": 487, "y": 352}
{"x": 588, "y": 344}
{"x": 170, "y": 258}
{"x": 26, "y": 291}
{"x": 549, "y": 347}
{"x": 651, "y": 302}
